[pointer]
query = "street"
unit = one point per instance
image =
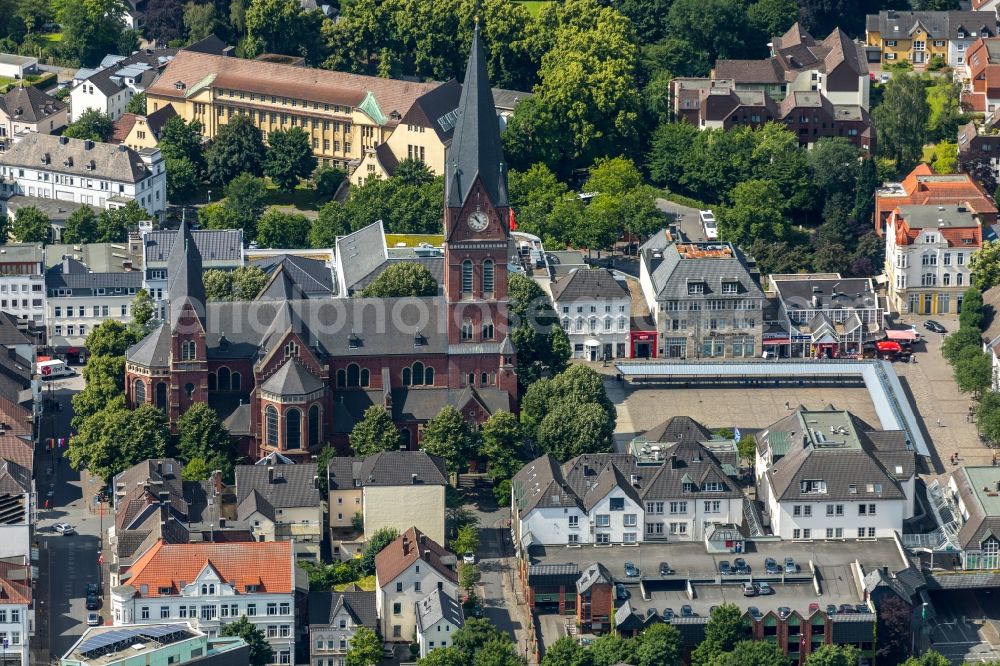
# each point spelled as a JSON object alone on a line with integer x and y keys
{"x": 687, "y": 218}
{"x": 67, "y": 563}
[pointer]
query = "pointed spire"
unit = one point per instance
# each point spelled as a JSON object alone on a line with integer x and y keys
{"x": 184, "y": 274}
{"x": 475, "y": 147}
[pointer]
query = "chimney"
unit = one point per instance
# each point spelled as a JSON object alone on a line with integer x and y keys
{"x": 65, "y": 270}
{"x": 423, "y": 539}
{"x": 270, "y": 474}
{"x": 217, "y": 482}
{"x": 427, "y": 556}
{"x": 406, "y": 544}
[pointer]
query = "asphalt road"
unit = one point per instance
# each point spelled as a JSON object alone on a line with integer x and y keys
{"x": 70, "y": 562}
{"x": 687, "y": 217}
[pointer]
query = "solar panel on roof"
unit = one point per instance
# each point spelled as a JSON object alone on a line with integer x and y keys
{"x": 162, "y": 630}
{"x": 106, "y": 639}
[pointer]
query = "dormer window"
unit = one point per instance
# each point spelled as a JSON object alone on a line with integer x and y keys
{"x": 696, "y": 287}
{"x": 811, "y": 486}
{"x": 730, "y": 287}
{"x": 353, "y": 341}
{"x": 179, "y": 85}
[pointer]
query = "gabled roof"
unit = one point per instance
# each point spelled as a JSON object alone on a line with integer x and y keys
{"x": 211, "y": 45}
{"x": 215, "y": 246}
{"x": 678, "y": 429}
{"x": 77, "y": 157}
{"x": 310, "y": 277}
{"x": 324, "y": 607}
{"x": 610, "y": 478}
{"x": 438, "y": 606}
{"x": 709, "y": 264}
{"x": 14, "y": 479}
{"x": 589, "y": 285}
{"x": 437, "y": 109}
{"x": 411, "y": 547}
{"x": 28, "y": 104}
{"x": 595, "y": 573}
{"x": 13, "y": 586}
{"x": 359, "y": 253}
{"x": 280, "y": 486}
{"x": 157, "y": 119}
{"x": 121, "y": 127}
{"x": 292, "y": 379}
{"x": 398, "y": 468}
{"x": 153, "y": 351}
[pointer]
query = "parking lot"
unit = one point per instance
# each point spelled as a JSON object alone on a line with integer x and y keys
{"x": 964, "y": 627}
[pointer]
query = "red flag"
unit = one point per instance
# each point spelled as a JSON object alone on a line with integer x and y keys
{"x": 510, "y": 216}
{"x": 100, "y": 558}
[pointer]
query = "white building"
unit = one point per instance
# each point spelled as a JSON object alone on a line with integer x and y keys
{"x": 594, "y": 308}
{"x": 17, "y": 615}
{"x": 405, "y": 571}
{"x": 22, "y": 281}
{"x": 212, "y": 584}
{"x": 220, "y": 250}
{"x": 75, "y": 170}
{"x": 109, "y": 87}
{"x": 16, "y": 66}
{"x": 334, "y": 617}
{"x": 178, "y": 644}
{"x": 676, "y": 480}
{"x": 927, "y": 252}
{"x": 438, "y": 617}
{"x": 829, "y": 475}
{"x": 282, "y": 503}
{"x": 991, "y": 334}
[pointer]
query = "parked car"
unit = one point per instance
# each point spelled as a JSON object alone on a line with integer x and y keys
{"x": 813, "y": 607}
{"x": 764, "y": 589}
{"x": 791, "y": 566}
{"x": 725, "y": 568}
{"x": 65, "y": 529}
{"x": 93, "y": 619}
{"x": 665, "y": 569}
{"x": 92, "y": 588}
{"x": 847, "y": 609}
{"x": 469, "y": 557}
{"x": 749, "y": 590}
{"x": 621, "y": 592}
{"x": 93, "y": 602}
{"x": 631, "y": 570}
{"x": 687, "y": 611}
{"x": 771, "y": 566}
{"x": 784, "y": 611}
{"x": 932, "y": 325}
{"x": 831, "y": 609}
{"x": 708, "y": 224}
{"x": 862, "y": 608}
{"x": 741, "y": 566}
{"x": 388, "y": 652}
{"x": 754, "y": 612}
{"x": 668, "y": 614}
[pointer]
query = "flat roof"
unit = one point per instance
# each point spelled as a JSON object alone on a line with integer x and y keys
{"x": 888, "y": 398}
{"x": 11, "y": 59}
{"x": 942, "y": 216}
{"x": 984, "y": 483}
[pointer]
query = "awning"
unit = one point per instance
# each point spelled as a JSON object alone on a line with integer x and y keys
{"x": 888, "y": 346}
{"x": 777, "y": 341}
{"x": 905, "y": 335}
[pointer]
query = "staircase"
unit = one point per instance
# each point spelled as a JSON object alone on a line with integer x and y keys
{"x": 751, "y": 513}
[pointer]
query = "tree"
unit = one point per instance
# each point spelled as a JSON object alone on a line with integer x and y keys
{"x": 323, "y": 458}
{"x": 280, "y": 26}
{"x": 502, "y": 444}
{"x": 81, "y": 227}
{"x": 659, "y": 645}
{"x": 402, "y": 279}
{"x": 622, "y": 202}
{"x": 498, "y": 652}
{"x": 670, "y": 144}
{"x": 747, "y": 447}
{"x": 91, "y": 29}
{"x": 834, "y": 655}
{"x": 331, "y": 223}
{"x": 448, "y": 435}
{"x": 566, "y": 651}
{"x": 467, "y": 540}
{"x": 973, "y": 371}
{"x": 92, "y": 125}
{"x": 758, "y": 653}
{"x": 366, "y": 648}
{"x": 544, "y": 206}
{"x": 218, "y": 216}
{"x": 181, "y": 140}
{"x": 988, "y": 416}
{"x": 260, "y": 650}
{"x": 242, "y": 284}
{"x": 901, "y": 120}
{"x": 327, "y": 180}
{"x": 468, "y": 577}
{"x": 822, "y": 16}
{"x": 200, "y": 20}
{"x": 474, "y": 635}
{"x": 757, "y": 213}
{"x": 960, "y": 340}
{"x": 944, "y": 113}
{"x": 31, "y": 225}
{"x": 864, "y": 199}
{"x": 289, "y": 157}
{"x": 542, "y": 346}
{"x": 113, "y": 224}
{"x": 104, "y": 378}
{"x": 611, "y": 649}
{"x": 833, "y": 164}
{"x": 375, "y": 545}
{"x": 576, "y": 387}
{"x": 109, "y": 338}
{"x": 972, "y": 315}
{"x": 375, "y": 432}
{"x": 115, "y": 438}
{"x": 724, "y": 630}
{"x": 246, "y": 198}
{"x": 725, "y": 33}
{"x": 238, "y": 149}
{"x": 137, "y": 104}
{"x": 929, "y": 658}
{"x": 893, "y": 631}
{"x": 985, "y": 266}
{"x": 571, "y": 429}
{"x": 142, "y": 315}
{"x": 202, "y": 435}
{"x": 196, "y": 469}
{"x": 277, "y": 229}
{"x": 772, "y": 17}
{"x": 182, "y": 179}
{"x": 164, "y": 20}
{"x": 448, "y": 656}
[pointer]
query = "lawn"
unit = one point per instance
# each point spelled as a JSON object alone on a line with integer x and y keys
{"x": 413, "y": 240}
{"x": 366, "y": 584}
{"x": 52, "y": 37}
{"x": 533, "y": 6}
{"x": 302, "y": 197}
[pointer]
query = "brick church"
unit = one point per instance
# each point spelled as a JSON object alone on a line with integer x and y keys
{"x": 289, "y": 373}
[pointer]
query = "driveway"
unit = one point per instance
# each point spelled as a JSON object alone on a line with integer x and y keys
{"x": 687, "y": 217}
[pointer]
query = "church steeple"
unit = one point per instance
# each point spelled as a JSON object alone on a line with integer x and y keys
{"x": 475, "y": 147}
{"x": 184, "y": 275}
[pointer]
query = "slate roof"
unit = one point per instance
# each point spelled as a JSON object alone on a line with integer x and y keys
{"x": 83, "y": 282}
{"x": 311, "y": 276}
{"x": 438, "y": 606}
{"x": 292, "y": 486}
{"x": 10, "y": 334}
{"x": 387, "y": 158}
{"x": 595, "y": 573}
{"x": 184, "y": 276}
{"x": 28, "y": 104}
{"x": 324, "y": 607}
{"x": 419, "y": 404}
{"x": 117, "y": 163}
{"x": 14, "y": 479}
{"x": 710, "y": 264}
{"x": 157, "y": 119}
{"x": 109, "y": 80}
{"x": 589, "y": 285}
{"x": 359, "y": 253}
{"x": 292, "y": 379}
{"x": 214, "y": 246}
{"x": 437, "y": 109}
{"x": 211, "y": 45}
{"x": 410, "y": 547}
{"x": 475, "y": 148}
{"x": 937, "y": 24}
{"x": 678, "y": 429}
{"x": 388, "y": 468}
{"x": 153, "y": 350}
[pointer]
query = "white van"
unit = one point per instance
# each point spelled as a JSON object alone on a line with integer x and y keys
{"x": 708, "y": 224}
{"x": 53, "y": 369}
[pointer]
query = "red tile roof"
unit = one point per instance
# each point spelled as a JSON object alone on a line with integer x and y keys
{"x": 412, "y": 546}
{"x": 268, "y": 565}
{"x": 923, "y": 187}
{"x": 121, "y": 127}
{"x": 14, "y": 583}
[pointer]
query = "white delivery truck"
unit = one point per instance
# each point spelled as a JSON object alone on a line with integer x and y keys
{"x": 54, "y": 369}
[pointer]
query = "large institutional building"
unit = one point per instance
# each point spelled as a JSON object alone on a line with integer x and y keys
{"x": 291, "y": 373}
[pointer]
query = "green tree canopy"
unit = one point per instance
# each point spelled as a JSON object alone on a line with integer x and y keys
{"x": 81, "y": 227}
{"x": 115, "y": 438}
{"x": 31, "y": 225}
{"x": 142, "y": 314}
{"x": 92, "y": 125}
{"x": 137, "y": 103}
{"x": 375, "y": 545}
{"x": 834, "y": 655}
{"x": 985, "y": 265}
{"x": 200, "y": 20}
{"x": 901, "y": 120}
{"x": 544, "y": 206}
{"x": 611, "y": 649}
{"x": 960, "y": 340}
{"x": 448, "y": 435}
{"x": 113, "y": 224}
{"x": 758, "y": 653}
{"x": 260, "y": 650}
{"x": 327, "y": 180}
{"x": 402, "y": 279}
{"x": 973, "y": 371}
{"x": 331, "y": 222}
{"x": 104, "y": 378}
{"x": 446, "y": 656}
{"x": 238, "y": 148}
{"x": 289, "y": 157}
{"x": 242, "y": 284}
{"x": 502, "y": 444}
{"x": 972, "y": 315}
{"x": 757, "y": 213}
{"x": 246, "y": 198}
{"x": 659, "y": 645}
{"x": 202, "y": 435}
{"x": 375, "y": 432}
{"x": 109, "y": 338}
{"x": 467, "y": 539}
{"x": 278, "y": 229}
{"x": 724, "y": 630}
{"x": 182, "y": 179}
{"x": 281, "y": 26}
{"x": 181, "y": 140}
{"x": 366, "y": 648}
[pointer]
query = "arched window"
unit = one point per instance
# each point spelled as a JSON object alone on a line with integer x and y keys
{"x": 189, "y": 389}
{"x": 466, "y": 330}
{"x": 418, "y": 374}
{"x": 467, "y": 277}
{"x": 488, "y": 331}
{"x": 237, "y": 381}
{"x": 224, "y": 379}
{"x": 271, "y": 418}
{"x": 484, "y": 379}
{"x": 404, "y": 438}
{"x": 406, "y": 377}
{"x": 293, "y": 429}
{"x": 211, "y": 588}
{"x": 140, "y": 392}
{"x": 204, "y": 588}
{"x": 314, "y": 434}
{"x": 429, "y": 376}
{"x": 488, "y": 276}
{"x": 353, "y": 375}
{"x": 188, "y": 349}
{"x": 341, "y": 378}
{"x": 211, "y": 381}
{"x": 291, "y": 349}
{"x": 161, "y": 396}
{"x": 472, "y": 379}
{"x": 365, "y": 378}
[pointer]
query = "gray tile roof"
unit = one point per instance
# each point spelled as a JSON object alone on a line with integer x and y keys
{"x": 184, "y": 276}
{"x": 292, "y": 379}
{"x": 678, "y": 429}
{"x": 325, "y": 606}
{"x": 311, "y": 276}
{"x": 589, "y": 285}
{"x": 86, "y": 159}
{"x": 14, "y": 479}
{"x": 214, "y": 246}
{"x": 110, "y": 80}
{"x": 709, "y": 264}
{"x": 83, "y": 282}
{"x": 436, "y": 109}
{"x": 291, "y": 485}
{"x": 438, "y": 606}
{"x": 28, "y": 104}
{"x": 153, "y": 350}
{"x": 359, "y": 253}
{"x": 595, "y": 573}
{"x": 938, "y": 24}
{"x": 396, "y": 468}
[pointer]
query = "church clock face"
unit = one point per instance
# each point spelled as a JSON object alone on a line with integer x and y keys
{"x": 478, "y": 221}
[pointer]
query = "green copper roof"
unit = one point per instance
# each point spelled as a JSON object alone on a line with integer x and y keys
{"x": 198, "y": 86}
{"x": 370, "y": 107}
{"x": 779, "y": 443}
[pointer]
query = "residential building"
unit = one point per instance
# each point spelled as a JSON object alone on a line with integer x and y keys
{"x": 927, "y": 252}
{"x": 109, "y": 87}
{"x": 439, "y": 616}
{"x": 334, "y": 617}
{"x": 219, "y": 249}
{"x": 78, "y": 299}
{"x": 828, "y": 474}
{"x": 18, "y": 500}
{"x": 703, "y": 297}
{"x": 824, "y": 315}
{"x": 397, "y": 489}
{"x": 138, "y": 132}
{"x": 17, "y": 610}
{"x": 84, "y": 172}
{"x": 282, "y": 503}
{"x": 22, "y": 281}
{"x": 209, "y": 585}
{"x": 594, "y": 308}
{"x": 452, "y": 349}
{"x": 595, "y": 598}
{"x": 17, "y": 66}
{"x": 923, "y": 187}
{"x": 980, "y": 142}
{"x": 676, "y": 480}
{"x": 28, "y": 109}
{"x": 969, "y": 514}
{"x": 178, "y": 643}
{"x": 405, "y": 571}
{"x": 344, "y": 114}
{"x": 981, "y": 78}
{"x": 918, "y": 37}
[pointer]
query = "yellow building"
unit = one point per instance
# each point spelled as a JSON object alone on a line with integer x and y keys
{"x": 894, "y": 36}
{"x": 138, "y": 132}
{"x": 344, "y": 114}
